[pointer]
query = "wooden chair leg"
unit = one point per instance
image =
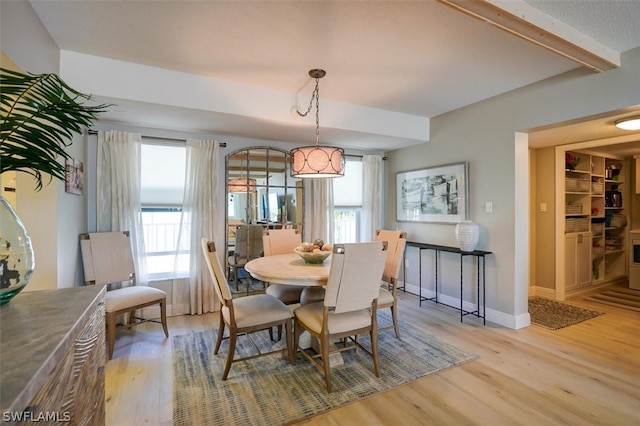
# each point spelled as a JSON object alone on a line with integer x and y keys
{"x": 232, "y": 349}
{"x": 374, "y": 350}
{"x": 163, "y": 316}
{"x": 296, "y": 339}
{"x": 220, "y": 334}
{"x": 326, "y": 363}
{"x": 394, "y": 316}
{"x": 374, "y": 341}
{"x": 235, "y": 277}
{"x": 288, "y": 333}
{"x": 111, "y": 332}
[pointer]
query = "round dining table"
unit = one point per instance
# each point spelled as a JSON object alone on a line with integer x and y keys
{"x": 291, "y": 269}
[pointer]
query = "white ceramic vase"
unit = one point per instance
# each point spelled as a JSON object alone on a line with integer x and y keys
{"x": 467, "y": 234}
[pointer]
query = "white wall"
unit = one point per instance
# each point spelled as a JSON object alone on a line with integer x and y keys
{"x": 484, "y": 134}
{"x": 25, "y": 40}
{"x": 72, "y": 221}
{"x": 52, "y": 217}
{"x": 28, "y": 46}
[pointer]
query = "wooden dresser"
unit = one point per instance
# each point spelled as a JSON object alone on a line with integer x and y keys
{"x": 52, "y": 357}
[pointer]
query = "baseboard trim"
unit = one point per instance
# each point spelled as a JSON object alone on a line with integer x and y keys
{"x": 496, "y": 317}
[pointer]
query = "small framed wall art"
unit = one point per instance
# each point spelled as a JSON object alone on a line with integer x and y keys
{"x": 74, "y": 176}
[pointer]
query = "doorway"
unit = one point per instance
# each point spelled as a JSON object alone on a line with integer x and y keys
{"x": 547, "y": 147}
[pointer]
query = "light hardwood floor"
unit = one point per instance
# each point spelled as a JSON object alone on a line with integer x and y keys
{"x": 585, "y": 374}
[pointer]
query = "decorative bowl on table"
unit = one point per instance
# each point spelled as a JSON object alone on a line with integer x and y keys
{"x": 313, "y": 256}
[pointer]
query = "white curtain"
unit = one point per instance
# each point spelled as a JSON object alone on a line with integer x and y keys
{"x": 199, "y": 219}
{"x": 118, "y": 191}
{"x": 372, "y": 180}
{"x": 318, "y": 210}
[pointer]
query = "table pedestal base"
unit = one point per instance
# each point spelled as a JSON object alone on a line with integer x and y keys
{"x": 312, "y": 294}
{"x": 335, "y": 359}
{"x": 315, "y": 294}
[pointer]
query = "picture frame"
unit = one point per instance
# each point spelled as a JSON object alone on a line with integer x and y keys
{"x": 74, "y": 176}
{"x": 438, "y": 194}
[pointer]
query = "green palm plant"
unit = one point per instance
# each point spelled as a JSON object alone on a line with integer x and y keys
{"x": 40, "y": 114}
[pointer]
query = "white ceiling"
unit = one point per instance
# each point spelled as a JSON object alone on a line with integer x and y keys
{"x": 420, "y": 58}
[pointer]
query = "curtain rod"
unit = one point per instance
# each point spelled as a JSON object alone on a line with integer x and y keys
{"x": 359, "y": 156}
{"x": 220, "y": 144}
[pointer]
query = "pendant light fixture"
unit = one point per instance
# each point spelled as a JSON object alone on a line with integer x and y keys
{"x": 316, "y": 161}
{"x": 242, "y": 184}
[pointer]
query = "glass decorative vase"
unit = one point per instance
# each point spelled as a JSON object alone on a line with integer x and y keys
{"x": 467, "y": 235}
{"x": 16, "y": 253}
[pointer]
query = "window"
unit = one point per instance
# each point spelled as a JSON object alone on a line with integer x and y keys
{"x": 162, "y": 179}
{"x": 347, "y": 201}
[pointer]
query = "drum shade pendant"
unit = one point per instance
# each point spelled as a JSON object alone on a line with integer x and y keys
{"x": 316, "y": 161}
{"x": 242, "y": 184}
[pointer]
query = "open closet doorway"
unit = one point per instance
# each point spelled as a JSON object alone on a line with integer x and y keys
{"x": 569, "y": 204}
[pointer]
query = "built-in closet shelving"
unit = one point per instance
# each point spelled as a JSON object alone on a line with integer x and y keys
{"x": 595, "y": 220}
{"x": 615, "y": 226}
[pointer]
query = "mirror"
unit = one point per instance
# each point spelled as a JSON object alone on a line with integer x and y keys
{"x": 261, "y": 191}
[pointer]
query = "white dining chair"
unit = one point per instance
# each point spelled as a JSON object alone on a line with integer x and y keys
{"x": 349, "y": 307}
{"x": 107, "y": 259}
{"x": 248, "y": 245}
{"x": 396, "y": 243}
{"x": 245, "y": 315}
{"x": 282, "y": 241}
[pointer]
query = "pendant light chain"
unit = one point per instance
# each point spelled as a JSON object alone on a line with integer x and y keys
{"x": 317, "y": 112}
{"x": 316, "y": 96}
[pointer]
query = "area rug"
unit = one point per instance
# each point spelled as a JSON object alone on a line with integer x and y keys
{"x": 625, "y": 298}
{"x": 556, "y": 315}
{"x": 271, "y": 391}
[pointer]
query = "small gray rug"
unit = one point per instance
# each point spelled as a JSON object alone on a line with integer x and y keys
{"x": 556, "y": 315}
{"x": 271, "y": 391}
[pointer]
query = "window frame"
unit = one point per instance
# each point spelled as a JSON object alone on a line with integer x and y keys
{"x": 172, "y": 255}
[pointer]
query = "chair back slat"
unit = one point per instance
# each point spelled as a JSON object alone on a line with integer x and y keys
{"x": 280, "y": 241}
{"x": 248, "y": 242}
{"x": 255, "y": 241}
{"x": 107, "y": 257}
{"x": 241, "y": 242}
{"x": 354, "y": 277}
{"x": 396, "y": 243}
{"x": 220, "y": 283}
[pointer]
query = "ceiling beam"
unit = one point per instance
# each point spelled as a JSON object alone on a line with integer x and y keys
{"x": 524, "y": 21}
{"x": 245, "y": 105}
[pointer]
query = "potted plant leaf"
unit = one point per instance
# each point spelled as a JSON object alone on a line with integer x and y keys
{"x": 40, "y": 114}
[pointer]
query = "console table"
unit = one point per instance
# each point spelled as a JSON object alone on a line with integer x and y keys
{"x": 52, "y": 357}
{"x": 438, "y": 249}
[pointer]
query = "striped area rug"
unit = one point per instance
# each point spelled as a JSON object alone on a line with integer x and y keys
{"x": 271, "y": 391}
{"x": 625, "y": 298}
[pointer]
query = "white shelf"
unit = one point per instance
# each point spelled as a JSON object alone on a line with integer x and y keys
{"x": 591, "y": 190}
